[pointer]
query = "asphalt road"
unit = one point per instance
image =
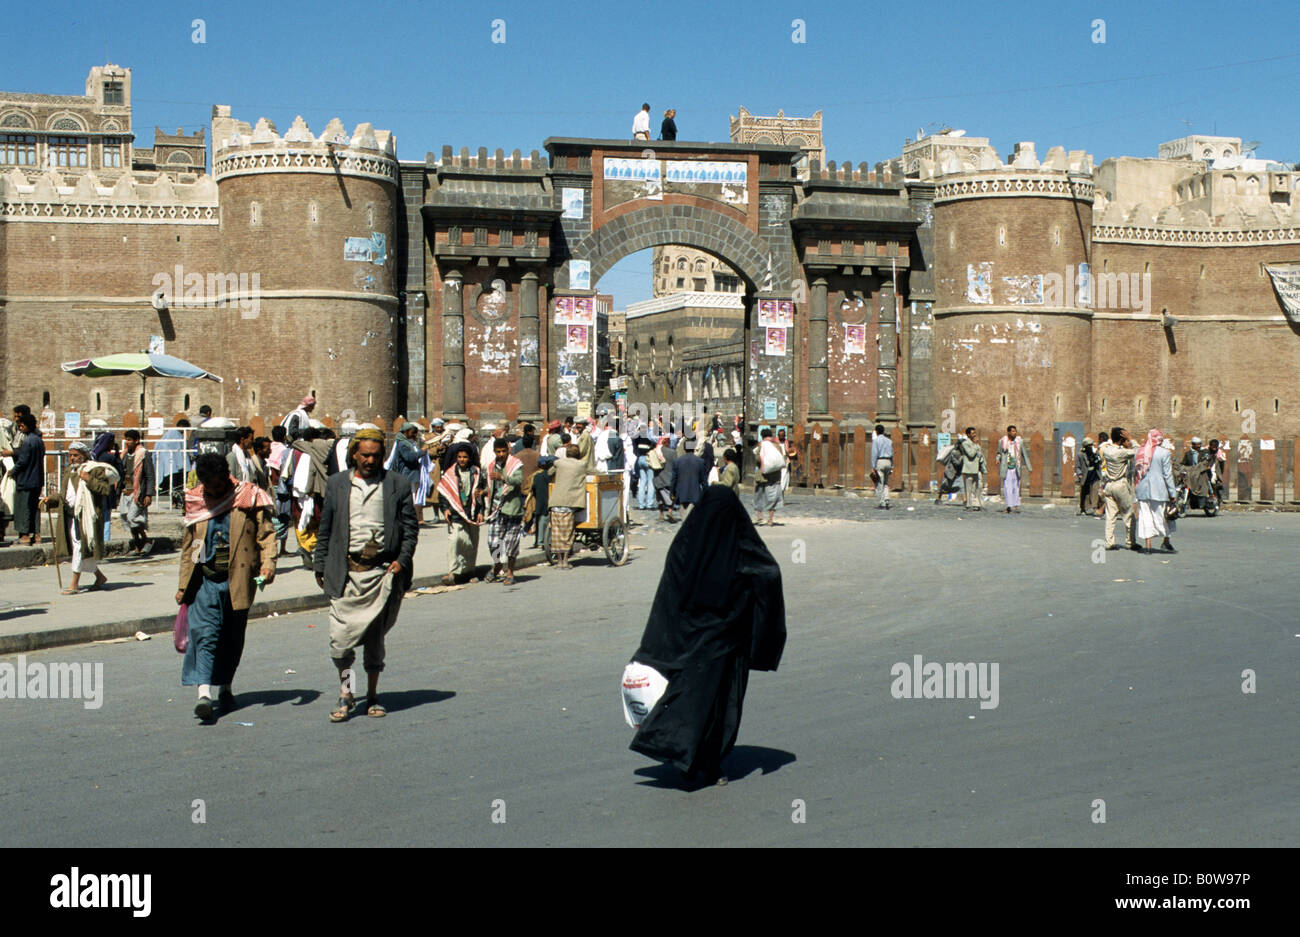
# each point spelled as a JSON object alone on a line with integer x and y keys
{"x": 1118, "y": 681}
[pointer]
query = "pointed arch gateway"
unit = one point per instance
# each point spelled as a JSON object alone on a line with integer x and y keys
{"x": 682, "y": 225}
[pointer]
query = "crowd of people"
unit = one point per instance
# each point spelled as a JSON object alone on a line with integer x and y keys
{"x": 355, "y": 505}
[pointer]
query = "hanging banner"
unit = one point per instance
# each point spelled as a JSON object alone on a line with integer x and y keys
{"x": 1286, "y": 280}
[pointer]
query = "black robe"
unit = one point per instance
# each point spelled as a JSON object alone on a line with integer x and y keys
{"x": 718, "y": 612}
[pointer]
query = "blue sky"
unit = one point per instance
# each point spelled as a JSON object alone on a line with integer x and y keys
{"x": 431, "y": 73}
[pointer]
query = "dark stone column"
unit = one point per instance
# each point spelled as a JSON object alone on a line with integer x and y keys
{"x": 453, "y": 344}
{"x": 818, "y": 372}
{"x": 887, "y": 365}
{"x": 416, "y": 402}
{"x": 530, "y": 372}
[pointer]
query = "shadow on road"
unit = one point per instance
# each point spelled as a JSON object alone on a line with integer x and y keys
{"x": 11, "y": 612}
{"x": 743, "y": 761}
{"x": 398, "y": 700}
{"x": 276, "y": 697}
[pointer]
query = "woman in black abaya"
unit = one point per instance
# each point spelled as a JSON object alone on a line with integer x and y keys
{"x": 719, "y": 611}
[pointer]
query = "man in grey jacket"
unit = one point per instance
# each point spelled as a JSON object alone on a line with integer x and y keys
{"x": 1155, "y": 490}
{"x": 973, "y": 468}
{"x": 363, "y": 559}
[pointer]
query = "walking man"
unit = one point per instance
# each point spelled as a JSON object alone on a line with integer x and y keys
{"x": 505, "y": 510}
{"x": 89, "y": 486}
{"x": 363, "y": 561}
{"x": 1013, "y": 464}
{"x": 973, "y": 468}
{"x": 228, "y": 545}
{"x": 641, "y": 123}
{"x": 1155, "y": 490}
{"x": 882, "y": 460}
{"x": 568, "y": 496}
{"x": 1116, "y": 461}
{"x": 767, "y": 480}
{"x": 690, "y": 478}
{"x": 137, "y": 491}
{"x": 460, "y": 494}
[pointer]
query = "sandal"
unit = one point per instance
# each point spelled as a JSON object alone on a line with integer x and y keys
{"x": 347, "y": 702}
{"x": 373, "y": 709}
{"x": 72, "y": 591}
{"x": 509, "y": 580}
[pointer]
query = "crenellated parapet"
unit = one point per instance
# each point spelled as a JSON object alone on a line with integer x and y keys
{"x": 480, "y": 160}
{"x": 241, "y": 150}
{"x": 1058, "y": 175}
{"x": 1012, "y": 184}
{"x": 844, "y": 172}
{"x": 136, "y": 198}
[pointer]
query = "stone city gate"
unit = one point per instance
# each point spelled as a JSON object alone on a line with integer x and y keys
{"x": 501, "y": 256}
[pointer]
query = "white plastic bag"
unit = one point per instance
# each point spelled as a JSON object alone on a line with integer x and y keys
{"x": 642, "y": 687}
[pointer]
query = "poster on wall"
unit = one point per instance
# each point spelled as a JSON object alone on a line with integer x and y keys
{"x": 577, "y": 339}
{"x": 157, "y": 345}
{"x": 356, "y": 249}
{"x": 567, "y": 391}
{"x": 563, "y": 310}
{"x": 775, "y": 342}
{"x": 1286, "y": 281}
{"x": 584, "y": 311}
{"x": 378, "y": 248}
{"x": 1024, "y": 290}
{"x": 72, "y": 425}
{"x": 979, "y": 283}
{"x": 1084, "y": 288}
{"x": 580, "y": 274}
{"x": 573, "y": 200}
{"x": 855, "y": 339}
{"x": 775, "y": 313}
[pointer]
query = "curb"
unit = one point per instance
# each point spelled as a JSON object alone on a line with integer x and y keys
{"x": 16, "y": 557}
{"x": 161, "y": 624}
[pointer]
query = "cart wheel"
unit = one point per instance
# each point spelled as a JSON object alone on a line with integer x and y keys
{"x": 615, "y": 537}
{"x": 546, "y": 546}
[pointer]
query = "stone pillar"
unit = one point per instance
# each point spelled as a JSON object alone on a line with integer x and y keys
{"x": 887, "y": 365}
{"x": 818, "y": 373}
{"x": 416, "y": 401}
{"x": 530, "y": 371}
{"x": 453, "y": 345}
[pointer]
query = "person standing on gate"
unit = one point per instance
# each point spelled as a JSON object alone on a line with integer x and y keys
{"x": 668, "y": 129}
{"x": 882, "y": 460}
{"x": 641, "y": 123}
{"x": 1013, "y": 464}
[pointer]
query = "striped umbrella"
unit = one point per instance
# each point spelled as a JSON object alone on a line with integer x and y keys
{"x": 141, "y": 363}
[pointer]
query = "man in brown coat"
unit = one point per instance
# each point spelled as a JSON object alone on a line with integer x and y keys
{"x": 227, "y": 552}
{"x": 568, "y": 496}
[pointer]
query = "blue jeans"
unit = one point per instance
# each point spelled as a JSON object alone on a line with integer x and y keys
{"x": 645, "y": 495}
